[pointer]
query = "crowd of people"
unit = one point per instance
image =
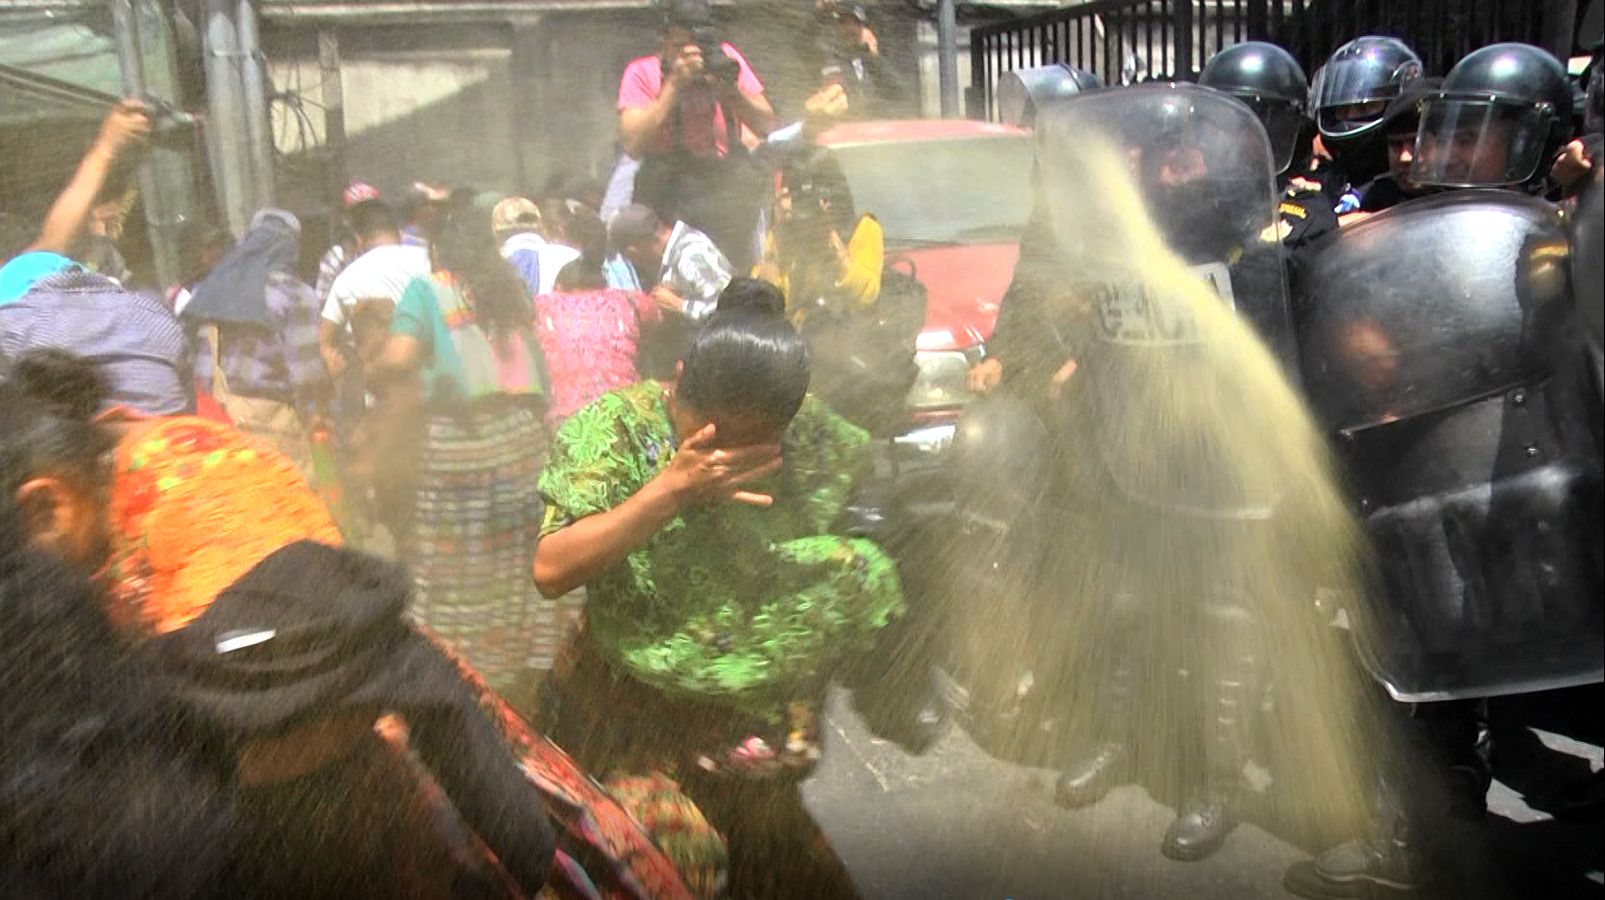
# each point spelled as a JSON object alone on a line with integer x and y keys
{"x": 258, "y": 708}
{"x": 621, "y": 523}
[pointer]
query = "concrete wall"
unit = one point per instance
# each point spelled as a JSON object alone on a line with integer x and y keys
{"x": 502, "y": 107}
{"x": 415, "y": 110}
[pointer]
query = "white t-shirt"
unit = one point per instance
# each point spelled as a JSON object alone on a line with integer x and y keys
{"x": 552, "y": 257}
{"x": 382, "y": 273}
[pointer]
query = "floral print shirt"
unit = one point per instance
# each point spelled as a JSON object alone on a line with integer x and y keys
{"x": 729, "y": 603}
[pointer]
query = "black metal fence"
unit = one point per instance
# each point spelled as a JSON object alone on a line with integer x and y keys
{"x": 1126, "y": 41}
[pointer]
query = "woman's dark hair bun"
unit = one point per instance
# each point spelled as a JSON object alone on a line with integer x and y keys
{"x": 752, "y": 295}
{"x": 70, "y": 384}
{"x": 747, "y": 360}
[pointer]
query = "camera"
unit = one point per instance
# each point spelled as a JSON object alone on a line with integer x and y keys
{"x": 695, "y": 17}
{"x": 168, "y": 123}
{"x": 718, "y": 64}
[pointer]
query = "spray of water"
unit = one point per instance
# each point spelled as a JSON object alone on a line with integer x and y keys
{"x": 1195, "y": 518}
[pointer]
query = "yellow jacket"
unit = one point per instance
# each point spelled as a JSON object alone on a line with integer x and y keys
{"x": 858, "y": 281}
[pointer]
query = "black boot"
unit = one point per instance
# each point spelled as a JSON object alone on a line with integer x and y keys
{"x": 1380, "y": 865}
{"x": 1208, "y": 813}
{"x": 1383, "y": 862}
{"x": 911, "y": 713}
{"x": 1107, "y": 765}
{"x": 1201, "y": 825}
{"x": 1087, "y": 781}
{"x": 895, "y": 690}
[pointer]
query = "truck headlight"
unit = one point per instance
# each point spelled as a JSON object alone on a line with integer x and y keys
{"x": 925, "y": 443}
{"x": 942, "y": 380}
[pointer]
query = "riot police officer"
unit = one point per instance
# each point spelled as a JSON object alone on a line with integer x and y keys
{"x": 1399, "y": 126}
{"x": 1496, "y": 121}
{"x": 1350, "y": 95}
{"x": 1271, "y": 82}
{"x": 1199, "y": 166}
{"x": 1499, "y": 119}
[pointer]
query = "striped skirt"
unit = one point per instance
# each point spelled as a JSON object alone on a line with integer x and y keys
{"x": 470, "y": 544}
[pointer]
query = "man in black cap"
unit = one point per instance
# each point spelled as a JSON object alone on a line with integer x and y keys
{"x": 851, "y": 58}
{"x": 1399, "y": 124}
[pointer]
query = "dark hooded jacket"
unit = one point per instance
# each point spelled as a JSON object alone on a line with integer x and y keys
{"x": 102, "y": 794}
{"x": 314, "y": 632}
{"x": 235, "y": 291}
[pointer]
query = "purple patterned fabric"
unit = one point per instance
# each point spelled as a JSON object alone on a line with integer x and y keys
{"x": 276, "y": 361}
{"x": 135, "y": 339}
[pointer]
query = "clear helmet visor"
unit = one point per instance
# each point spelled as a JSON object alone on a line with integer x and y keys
{"x": 1282, "y": 121}
{"x": 1350, "y": 119}
{"x": 1196, "y": 162}
{"x": 1479, "y": 142}
{"x": 1350, "y": 95}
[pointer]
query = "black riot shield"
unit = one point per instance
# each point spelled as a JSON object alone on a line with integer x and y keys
{"x": 1426, "y": 343}
{"x": 1588, "y": 268}
{"x": 1139, "y": 182}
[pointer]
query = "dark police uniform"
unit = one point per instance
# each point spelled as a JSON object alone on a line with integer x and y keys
{"x": 1305, "y": 214}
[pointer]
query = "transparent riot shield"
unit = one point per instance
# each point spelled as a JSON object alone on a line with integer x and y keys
{"x": 1207, "y": 514}
{"x": 1142, "y": 185}
{"x": 1427, "y": 340}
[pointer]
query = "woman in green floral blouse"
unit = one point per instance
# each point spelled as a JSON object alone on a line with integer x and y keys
{"x": 701, "y": 516}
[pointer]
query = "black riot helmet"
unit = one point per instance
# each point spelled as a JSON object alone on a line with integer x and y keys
{"x": 1353, "y": 89}
{"x": 1200, "y": 165}
{"x": 1272, "y": 83}
{"x": 1501, "y": 115}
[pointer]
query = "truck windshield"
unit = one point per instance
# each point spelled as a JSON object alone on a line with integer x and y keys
{"x": 952, "y": 191}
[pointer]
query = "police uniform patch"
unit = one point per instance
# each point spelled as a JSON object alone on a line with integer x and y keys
{"x": 1131, "y": 313}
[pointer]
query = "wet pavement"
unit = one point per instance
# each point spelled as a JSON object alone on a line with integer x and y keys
{"x": 958, "y": 824}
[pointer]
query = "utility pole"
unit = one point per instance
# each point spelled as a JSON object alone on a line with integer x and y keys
{"x": 226, "y": 129}
{"x": 160, "y": 219}
{"x": 258, "y": 127}
{"x": 334, "y": 124}
{"x": 947, "y": 56}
